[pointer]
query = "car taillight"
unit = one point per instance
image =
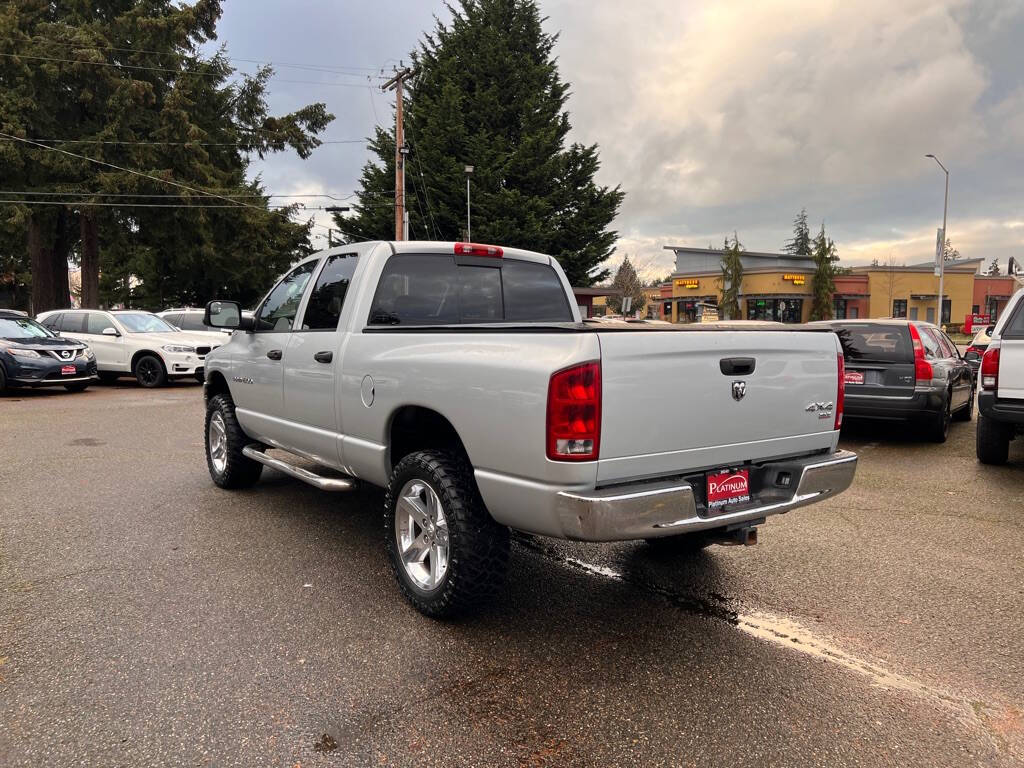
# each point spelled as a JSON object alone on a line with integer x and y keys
{"x": 974, "y": 350}
{"x": 477, "y": 249}
{"x": 574, "y": 413}
{"x": 922, "y": 368}
{"x": 990, "y": 367}
{"x": 841, "y": 393}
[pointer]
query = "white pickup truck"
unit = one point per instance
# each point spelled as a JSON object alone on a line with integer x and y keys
{"x": 460, "y": 378}
{"x": 1001, "y": 398}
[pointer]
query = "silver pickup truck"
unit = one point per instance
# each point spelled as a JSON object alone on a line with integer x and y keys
{"x": 460, "y": 378}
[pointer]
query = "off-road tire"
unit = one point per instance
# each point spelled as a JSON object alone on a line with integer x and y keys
{"x": 150, "y": 372}
{"x": 240, "y": 471}
{"x": 967, "y": 412}
{"x": 993, "y": 441}
{"x": 938, "y": 424}
{"x": 478, "y": 549}
{"x": 80, "y": 387}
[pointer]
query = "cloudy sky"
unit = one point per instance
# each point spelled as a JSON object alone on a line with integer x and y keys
{"x": 720, "y": 116}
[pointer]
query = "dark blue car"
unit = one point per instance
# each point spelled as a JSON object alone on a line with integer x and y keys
{"x": 33, "y": 356}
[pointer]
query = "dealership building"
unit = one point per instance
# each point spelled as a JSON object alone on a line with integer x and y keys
{"x": 778, "y": 287}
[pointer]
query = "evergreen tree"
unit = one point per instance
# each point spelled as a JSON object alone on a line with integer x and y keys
{"x": 627, "y": 283}
{"x": 125, "y": 83}
{"x": 949, "y": 253}
{"x": 993, "y": 268}
{"x": 488, "y": 94}
{"x": 731, "y": 280}
{"x": 823, "y": 284}
{"x": 800, "y": 245}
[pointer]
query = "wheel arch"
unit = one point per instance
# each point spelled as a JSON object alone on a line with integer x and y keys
{"x": 143, "y": 353}
{"x": 215, "y": 384}
{"x": 414, "y": 428}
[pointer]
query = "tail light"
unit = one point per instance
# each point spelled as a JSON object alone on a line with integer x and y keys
{"x": 476, "y": 249}
{"x": 841, "y": 393}
{"x": 574, "y": 413}
{"x": 990, "y": 367}
{"x": 922, "y": 368}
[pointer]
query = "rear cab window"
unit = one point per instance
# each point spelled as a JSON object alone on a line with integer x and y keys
{"x": 876, "y": 343}
{"x": 432, "y": 289}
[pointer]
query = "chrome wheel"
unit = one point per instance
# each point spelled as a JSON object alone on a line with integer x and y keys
{"x": 421, "y": 530}
{"x": 218, "y": 440}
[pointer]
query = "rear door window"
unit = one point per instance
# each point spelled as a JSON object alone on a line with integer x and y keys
{"x": 190, "y": 321}
{"x": 323, "y": 310}
{"x": 427, "y": 289}
{"x": 96, "y": 322}
{"x": 72, "y": 322}
{"x": 876, "y": 343}
{"x": 1015, "y": 327}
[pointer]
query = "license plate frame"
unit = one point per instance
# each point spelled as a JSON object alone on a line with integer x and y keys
{"x": 853, "y": 377}
{"x": 68, "y": 370}
{"x": 727, "y": 487}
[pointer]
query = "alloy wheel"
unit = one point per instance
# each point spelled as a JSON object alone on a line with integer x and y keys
{"x": 421, "y": 530}
{"x": 218, "y": 440}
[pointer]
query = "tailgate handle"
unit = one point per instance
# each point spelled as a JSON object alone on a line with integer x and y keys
{"x": 737, "y": 366}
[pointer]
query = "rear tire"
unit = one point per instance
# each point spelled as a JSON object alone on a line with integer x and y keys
{"x": 993, "y": 441}
{"x": 3, "y": 381}
{"x": 938, "y": 425}
{"x": 473, "y": 550}
{"x": 150, "y": 372}
{"x": 225, "y": 440}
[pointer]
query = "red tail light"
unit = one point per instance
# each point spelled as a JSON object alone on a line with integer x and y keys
{"x": 476, "y": 249}
{"x": 990, "y": 368}
{"x": 976, "y": 350}
{"x": 574, "y": 413}
{"x": 922, "y": 368}
{"x": 841, "y": 393}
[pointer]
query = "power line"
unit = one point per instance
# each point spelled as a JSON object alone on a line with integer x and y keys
{"x": 237, "y": 204}
{"x": 90, "y": 193}
{"x": 179, "y": 143}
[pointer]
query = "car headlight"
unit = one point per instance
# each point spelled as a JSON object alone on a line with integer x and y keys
{"x": 179, "y": 348}
{"x": 23, "y": 352}
{"x": 88, "y": 354}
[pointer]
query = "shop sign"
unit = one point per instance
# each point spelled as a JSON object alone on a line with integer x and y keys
{"x": 687, "y": 282}
{"x": 794, "y": 279}
{"x": 975, "y": 320}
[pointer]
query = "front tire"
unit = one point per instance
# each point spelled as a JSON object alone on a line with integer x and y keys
{"x": 225, "y": 440}
{"x": 448, "y": 554}
{"x": 993, "y": 441}
{"x": 150, "y": 371}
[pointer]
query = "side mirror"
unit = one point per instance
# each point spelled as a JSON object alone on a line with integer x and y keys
{"x": 225, "y": 314}
{"x": 989, "y": 330}
{"x": 108, "y": 331}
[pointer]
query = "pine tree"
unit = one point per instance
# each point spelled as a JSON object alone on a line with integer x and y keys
{"x": 731, "y": 280}
{"x": 800, "y": 245}
{"x": 488, "y": 94}
{"x": 627, "y": 283}
{"x": 823, "y": 284}
{"x": 993, "y": 268}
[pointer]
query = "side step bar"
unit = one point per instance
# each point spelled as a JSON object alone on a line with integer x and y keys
{"x": 323, "y": 483}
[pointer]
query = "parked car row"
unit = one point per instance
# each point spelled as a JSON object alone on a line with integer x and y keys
{"x": 73, "y": 347}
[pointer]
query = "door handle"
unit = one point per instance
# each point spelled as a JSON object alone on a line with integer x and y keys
{"x": 737, "y": 366}
{"x": 274, "y": 354}
{"x": 323, "y": 357}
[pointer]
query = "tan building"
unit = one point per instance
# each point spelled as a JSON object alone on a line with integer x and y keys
{"x": 912, "y": 291}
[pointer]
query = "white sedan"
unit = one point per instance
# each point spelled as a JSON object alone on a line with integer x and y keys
{"x": 133, "y": 342}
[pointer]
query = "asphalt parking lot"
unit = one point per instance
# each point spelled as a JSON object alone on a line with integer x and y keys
{"x": 148, "y": 618}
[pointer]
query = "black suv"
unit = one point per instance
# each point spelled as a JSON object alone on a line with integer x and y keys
{"x": 904, "y": 370}
{"x": 33, "y": 356}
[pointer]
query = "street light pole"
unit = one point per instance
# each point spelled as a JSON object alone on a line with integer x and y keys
{"x": 469, "y": 231}
{"x": 942, "y": 243}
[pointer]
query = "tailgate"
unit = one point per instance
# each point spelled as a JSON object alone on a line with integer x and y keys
{"x": 668, "y": 407}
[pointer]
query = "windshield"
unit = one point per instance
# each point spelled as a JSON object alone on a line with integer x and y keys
{"x": 22, "y": 328}
{"x": 143, "y": 322}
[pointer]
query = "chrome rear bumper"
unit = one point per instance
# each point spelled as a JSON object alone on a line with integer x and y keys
{"x": 665, "y": 508}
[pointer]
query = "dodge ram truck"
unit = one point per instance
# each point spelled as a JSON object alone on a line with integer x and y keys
{"x": 460, "y": 378}
{"x": 1001, "y": 400}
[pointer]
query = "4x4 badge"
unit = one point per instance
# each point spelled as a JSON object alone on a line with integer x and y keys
{"x": 739, "y": 389}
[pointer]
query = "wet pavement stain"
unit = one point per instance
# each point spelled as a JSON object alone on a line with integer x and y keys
{"x": 92, "y": 442}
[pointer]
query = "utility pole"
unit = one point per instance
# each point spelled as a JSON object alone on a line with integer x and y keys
{"x": 469, "y": 228}
{"x": 401, "y": 217}
{"x": 942, "y": 239}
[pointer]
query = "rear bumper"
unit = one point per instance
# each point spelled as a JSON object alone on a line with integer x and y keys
{"x": 1005, "y": 411}
{"x": 921, "y": 403}
{"x": 654, "y": 509}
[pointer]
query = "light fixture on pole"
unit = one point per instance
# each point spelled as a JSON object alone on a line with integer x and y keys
{"x": 941, "y": 247}
{"x": 469, "y": 235}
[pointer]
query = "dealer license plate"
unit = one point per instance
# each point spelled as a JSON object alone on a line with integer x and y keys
{"x": 853, "y": 377}
{"x": 68, "y": 370}
{"x": 728, "y": 487}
